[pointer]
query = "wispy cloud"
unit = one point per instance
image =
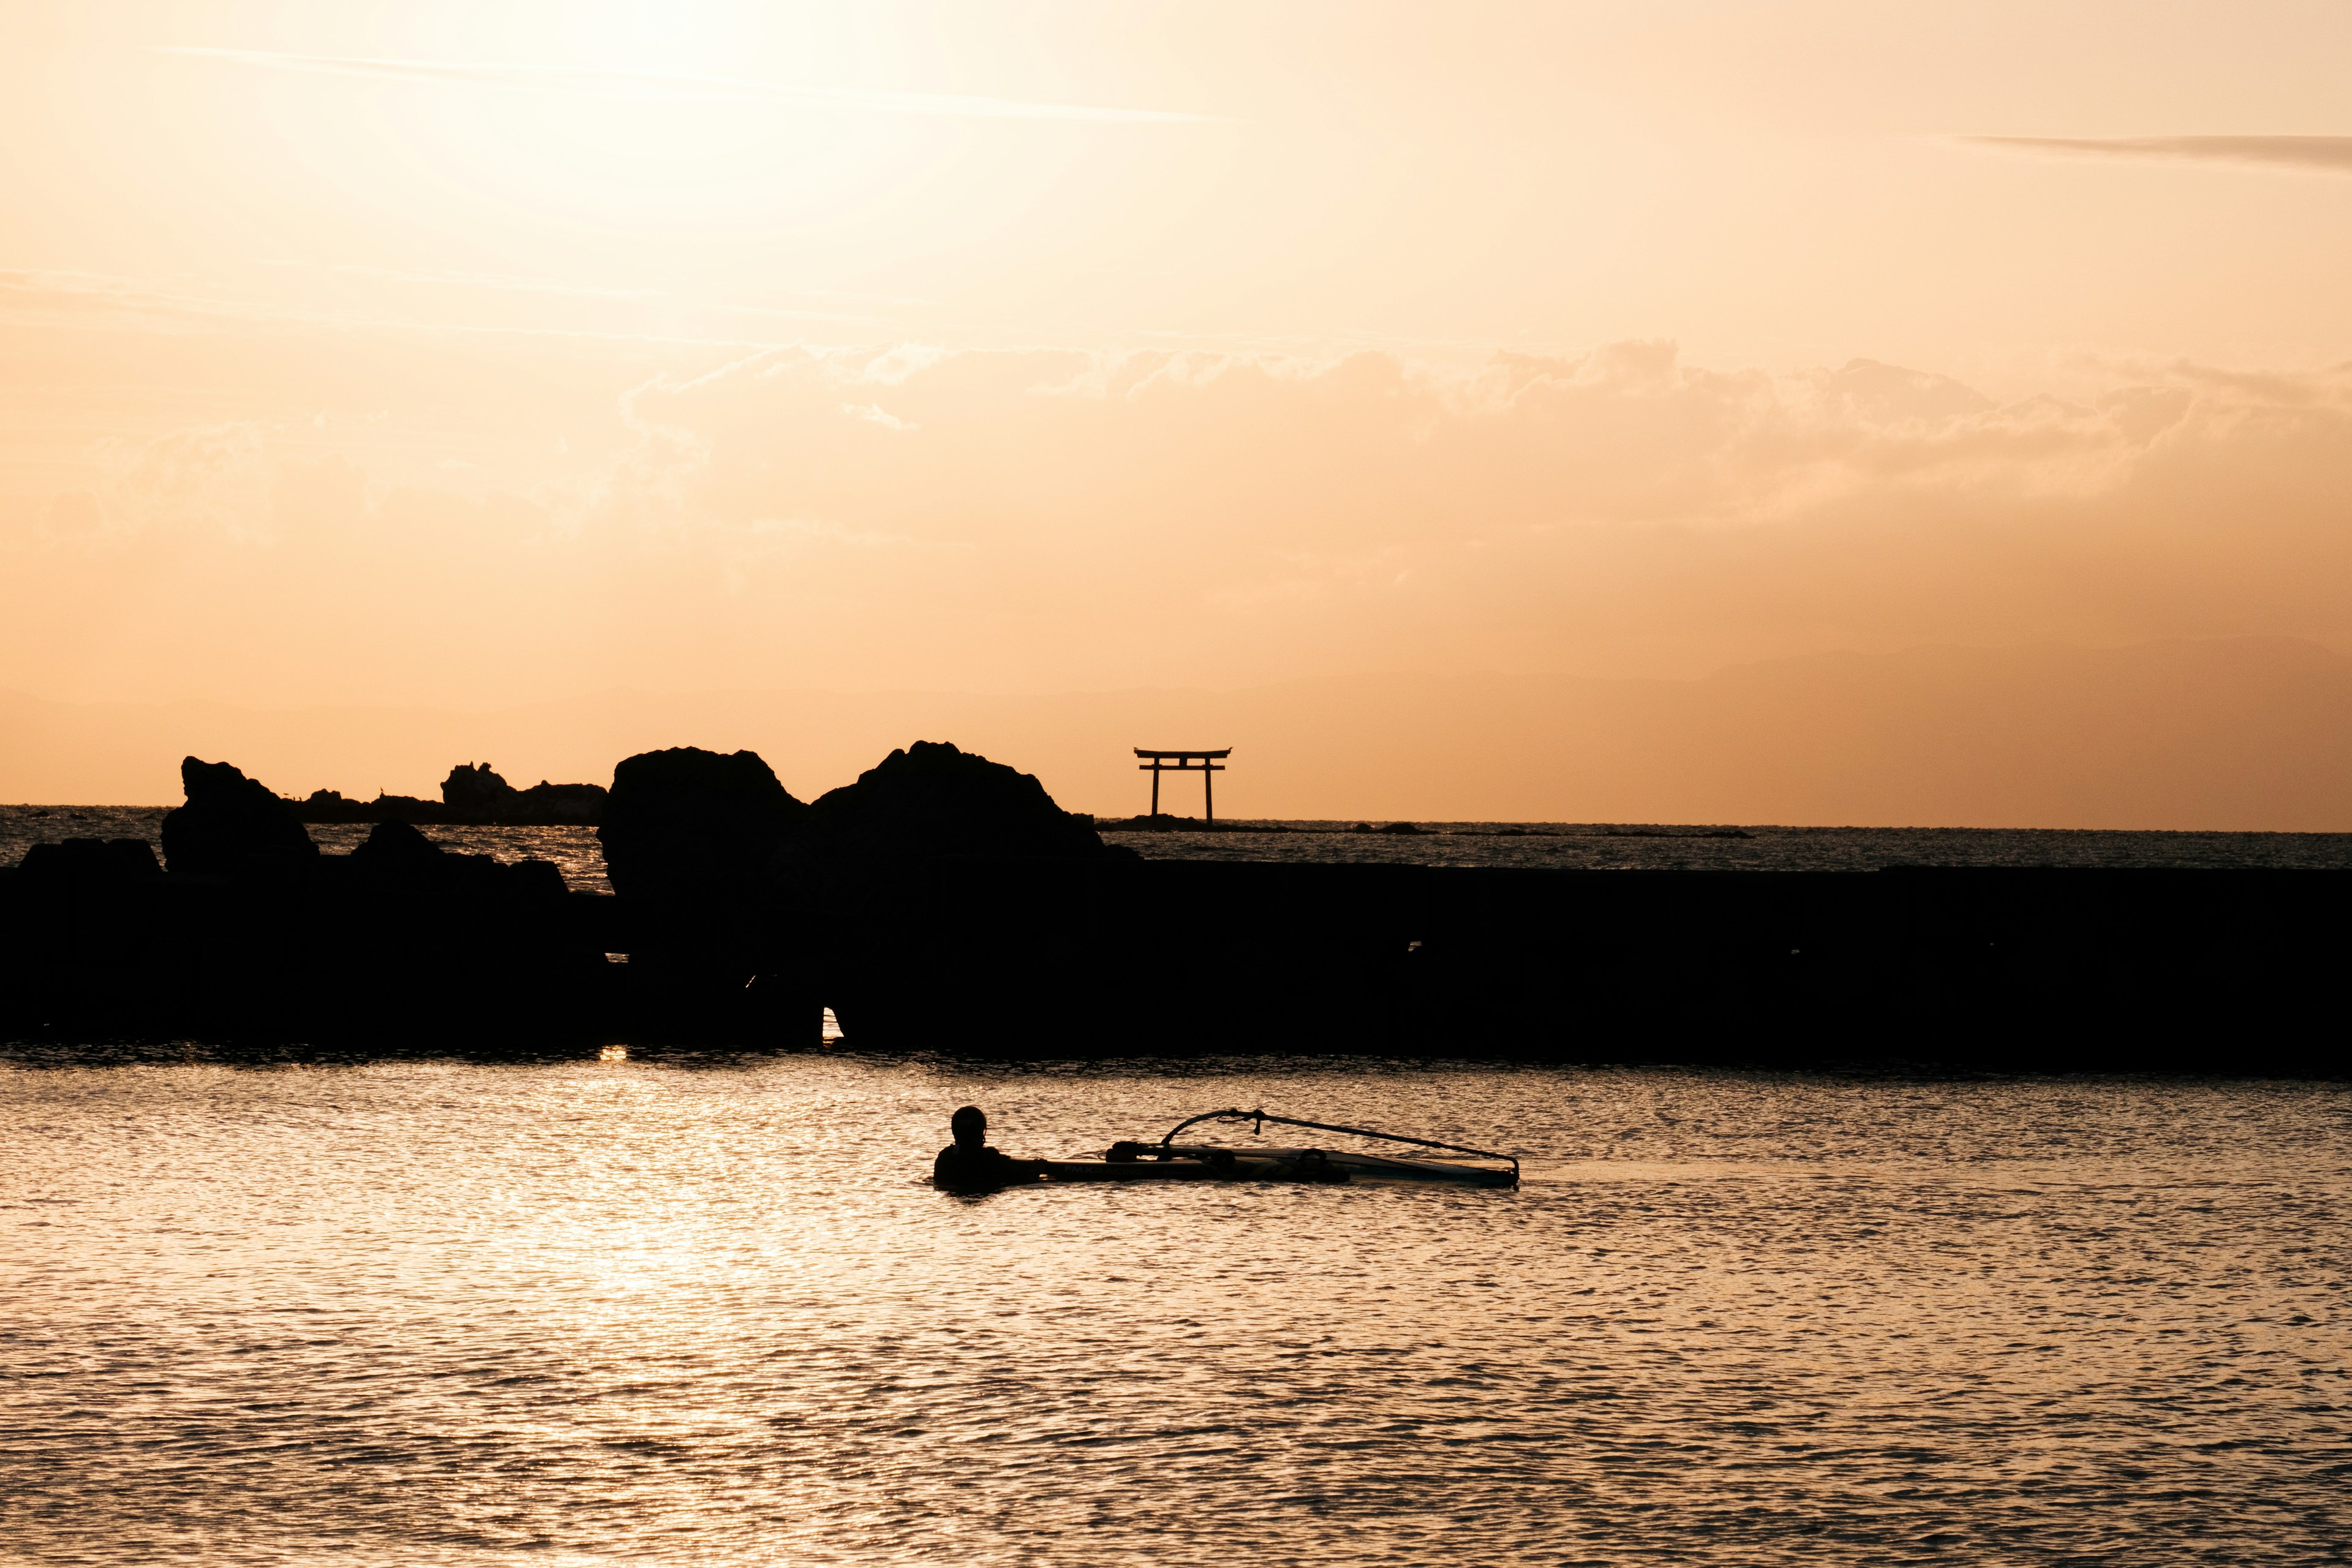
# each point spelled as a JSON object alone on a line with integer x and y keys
{"x": 90, "y": 298}
{"x": 2331, "y": 154}
{"x": 1053, "y": 511}
{"x": 496, "y": 282}
{"x": 94, "y": 302}
{"x": 674, "y": 85}
{"x": 875, "y": 414}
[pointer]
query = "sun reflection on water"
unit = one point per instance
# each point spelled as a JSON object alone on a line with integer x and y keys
{"x": 711, "y": 1312}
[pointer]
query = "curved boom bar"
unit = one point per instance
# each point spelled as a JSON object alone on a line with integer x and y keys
{"x": 1262, "y": 1118}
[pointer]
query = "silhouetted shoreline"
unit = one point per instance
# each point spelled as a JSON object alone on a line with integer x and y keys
{"x": 944, "y": 903}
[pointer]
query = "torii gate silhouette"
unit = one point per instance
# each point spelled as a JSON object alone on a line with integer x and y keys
{"x": 1208, "y": 767}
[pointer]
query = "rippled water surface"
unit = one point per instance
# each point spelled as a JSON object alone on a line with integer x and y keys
{"x": 704, "y": 1310}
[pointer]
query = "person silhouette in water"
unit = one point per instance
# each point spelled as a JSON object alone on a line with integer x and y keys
{"x": 970, "y": 1165}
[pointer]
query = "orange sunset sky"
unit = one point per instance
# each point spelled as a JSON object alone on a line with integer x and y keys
{"x": 502, "y": 355}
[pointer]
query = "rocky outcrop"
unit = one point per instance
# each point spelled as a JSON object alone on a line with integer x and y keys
{"x": 231, "y": 823}
{"x": 688, "y": 837}
{"x": 546, "y": 804}
{"x": 398, "y": 857}
{"x": 333, "y": 806}
{"x": 396, "y": 851}
{"x": 933, "y": 799}
{"x": 256, "y": 936}
{"x": 893, "y": 862}
{"x": 475, "y": 794}
{"x": 472, "y": 795}
{"x": 88, "y": 860}
{"x": 685, "y": 825}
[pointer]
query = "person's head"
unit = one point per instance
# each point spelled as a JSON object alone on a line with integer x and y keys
{"x": 970, "y": 1126}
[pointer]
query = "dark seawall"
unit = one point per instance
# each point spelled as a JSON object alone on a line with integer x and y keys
{"x": 2229, "y": 971}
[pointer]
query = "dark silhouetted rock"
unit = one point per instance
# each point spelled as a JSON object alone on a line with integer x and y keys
{"x": 559, "y": 805}
{"x": 396, "y": 857}
{"x": 932, "y": 800}
{"x": 686, "y": 824}
{"x": 398, "y": 848}
{"x": 333, "y": 806}
{"x": 230, "y": 823}
{"x": 475, "y": 794}
{"x": 85, "y": 860}
{"x": 689, "y": 837}
{"x": 958, "y": 874}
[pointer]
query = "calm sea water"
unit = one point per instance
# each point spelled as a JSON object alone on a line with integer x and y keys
{"x": 703, "y": 1311}
{"x": 1583, "y": 845}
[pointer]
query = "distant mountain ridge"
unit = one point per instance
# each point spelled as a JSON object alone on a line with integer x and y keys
{"x": 2244, "y": 734}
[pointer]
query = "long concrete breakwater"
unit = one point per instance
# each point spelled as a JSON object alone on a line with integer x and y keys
{"x": 1042, "y": 957}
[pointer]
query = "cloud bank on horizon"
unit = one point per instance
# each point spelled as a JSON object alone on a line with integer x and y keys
{"x": 2331, "y": 154}
{"x": 1061, "y": 519}
{"x": 467, "y": 353}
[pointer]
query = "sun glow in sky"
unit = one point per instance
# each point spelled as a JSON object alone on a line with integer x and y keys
{"x": 474, "y": 353}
